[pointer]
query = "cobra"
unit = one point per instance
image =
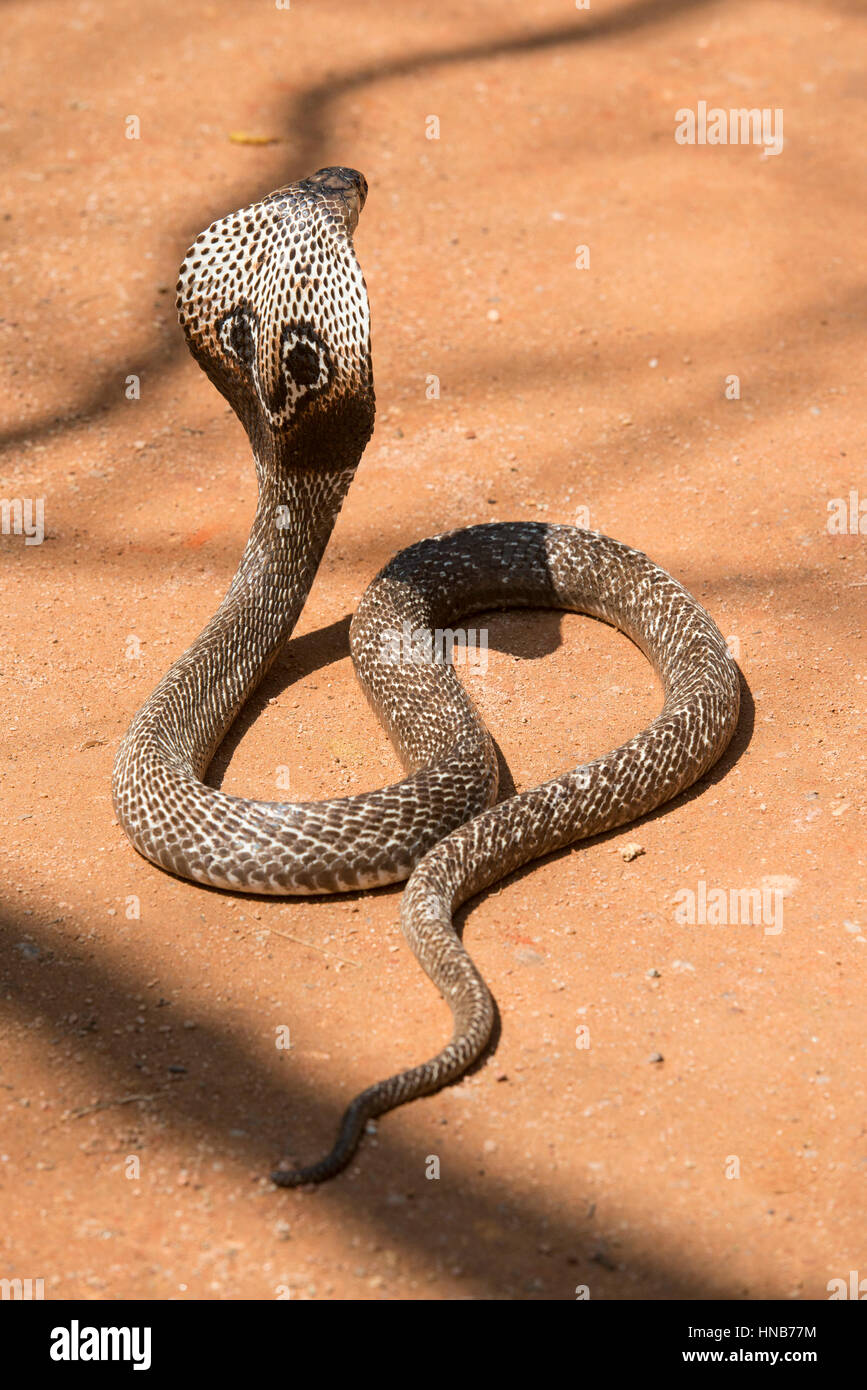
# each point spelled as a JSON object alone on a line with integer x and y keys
{"x": 275, "y": 310}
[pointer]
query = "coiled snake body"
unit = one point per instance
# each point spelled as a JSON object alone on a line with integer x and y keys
{"x": 274, "y": 307}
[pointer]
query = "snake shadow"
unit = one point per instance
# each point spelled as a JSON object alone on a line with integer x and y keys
{"x": 314, "y": 651}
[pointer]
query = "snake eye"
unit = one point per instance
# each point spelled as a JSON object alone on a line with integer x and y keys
{"x": 237, "y": 336}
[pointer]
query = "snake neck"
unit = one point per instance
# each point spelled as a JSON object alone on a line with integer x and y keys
{"x": 295, "y": 517}
{"x": 197, "y": 700}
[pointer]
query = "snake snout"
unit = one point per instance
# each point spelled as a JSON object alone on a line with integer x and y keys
{"x": 348, "y": 186}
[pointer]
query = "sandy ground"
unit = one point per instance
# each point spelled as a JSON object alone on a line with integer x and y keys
{"x": 142, "y": 1095}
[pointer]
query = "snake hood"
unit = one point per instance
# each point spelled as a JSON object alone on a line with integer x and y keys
{"x": 274, "y": 308}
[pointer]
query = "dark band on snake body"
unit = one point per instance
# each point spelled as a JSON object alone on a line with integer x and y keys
{"x": 275, "y": 311}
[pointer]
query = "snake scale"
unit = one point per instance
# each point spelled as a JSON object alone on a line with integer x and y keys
{"x": 275, "y": 310}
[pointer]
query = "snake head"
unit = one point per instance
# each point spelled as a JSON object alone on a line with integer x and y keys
{"x": 274, "y": 308}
